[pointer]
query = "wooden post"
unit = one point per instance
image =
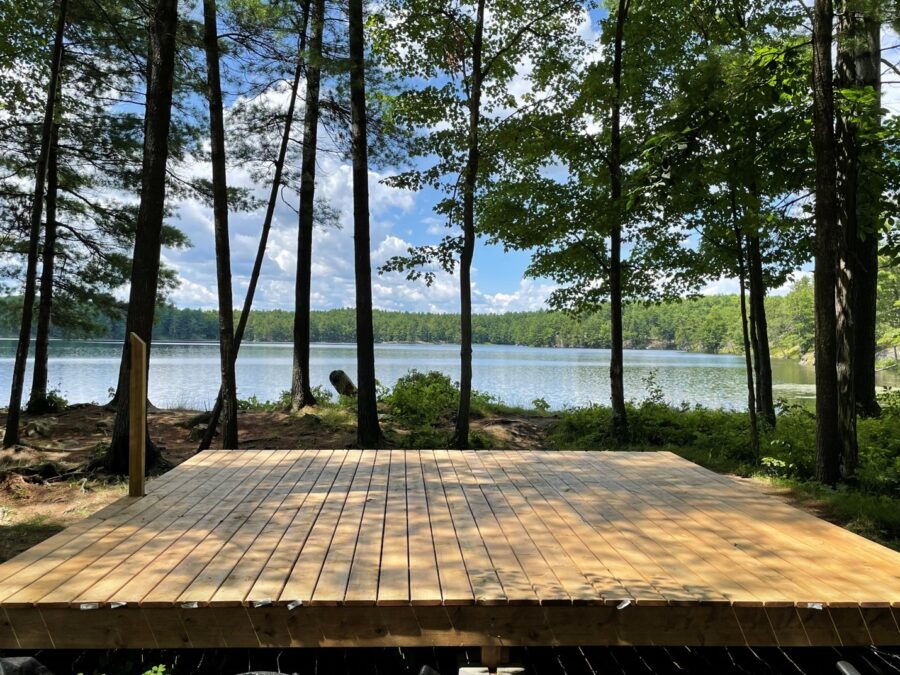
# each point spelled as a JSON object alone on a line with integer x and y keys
{"x": 137, "y": 416}
{"x": 492, "y": 657}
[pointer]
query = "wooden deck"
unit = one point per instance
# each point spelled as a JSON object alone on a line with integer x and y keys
{"x": 411, "y": 548}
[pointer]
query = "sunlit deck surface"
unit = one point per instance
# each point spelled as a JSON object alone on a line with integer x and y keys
{"x": 482, "y": 548}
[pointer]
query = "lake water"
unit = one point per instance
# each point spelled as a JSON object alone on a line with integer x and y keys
{"x": 187, "y": 374}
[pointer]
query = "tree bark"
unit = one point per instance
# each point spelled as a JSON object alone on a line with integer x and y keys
{"x": 163, "y": 22}
{"x": 210, "y": 432}
{"x": 751, "y": 396}
{"x": 765, "y": 400}
{"x": 859, "y": 216}
{"x": 859, "y": 67}
{"x": 220, "y": 226}
{"x": 828, "y": 445}
{"x": 37, "y": 401}
{"x": 616, "y": 357}
{"x": 11, "y": 435}
{"x": 368, "y": 429}
{"x": 301, "y": 394}
{"x": 460, "y": 438}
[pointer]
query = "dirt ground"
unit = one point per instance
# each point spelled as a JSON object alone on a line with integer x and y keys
{"x": 45, "y": 487}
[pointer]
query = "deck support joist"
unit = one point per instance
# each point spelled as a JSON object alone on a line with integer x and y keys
{"x": 475, "y": 626}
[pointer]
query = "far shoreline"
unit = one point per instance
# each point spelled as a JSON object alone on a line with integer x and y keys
{"x": 420, "y": 343}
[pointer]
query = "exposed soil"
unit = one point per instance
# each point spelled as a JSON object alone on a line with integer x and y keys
{"x": 44, "y": 486}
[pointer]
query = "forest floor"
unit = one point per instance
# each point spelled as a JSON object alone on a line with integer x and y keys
{"x": 45, "y": 487}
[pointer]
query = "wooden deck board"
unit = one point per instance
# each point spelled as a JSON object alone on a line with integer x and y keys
{"x": 235, "y": 588}
{"x": 36, "y": 561}
{"x": 362, "y": 586}
{"x": 302, "y": 579}
{"x": 436, "y": 547}
{"x": 393, "y": 581}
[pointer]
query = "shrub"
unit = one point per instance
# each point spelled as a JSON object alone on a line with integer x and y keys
{"x": 423, "y": 399}
{"x": 52, "y": 403}
{"x": 714, "y": 437}
{"x": 283, "y": 402}
{"x": 56, "y": 401}
{"x": 541, "y": 405}
{"x": 323, "y": 395}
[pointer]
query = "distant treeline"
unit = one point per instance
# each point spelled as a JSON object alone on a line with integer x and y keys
{"x": 707, "y": 324}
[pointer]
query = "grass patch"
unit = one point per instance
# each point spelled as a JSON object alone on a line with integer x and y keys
{"x": 335, "y": 418}
{"x": 487, "y": 405}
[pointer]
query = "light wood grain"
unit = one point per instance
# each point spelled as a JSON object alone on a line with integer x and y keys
{"x": 436, "y": 547}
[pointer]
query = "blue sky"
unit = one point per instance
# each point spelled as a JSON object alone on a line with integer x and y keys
{"x": 399, "y": 219}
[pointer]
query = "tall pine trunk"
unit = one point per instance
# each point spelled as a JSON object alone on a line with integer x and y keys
{"x": 616, "y": 357}
{"x": 11, "y": 435}
{"x": 460, "y": 437}
{"x": 859, "y": 67}
{"x": 765, "y": 400}
{"x": 163, "y": 22}
{"x": 368, "y": 429}
{"x": 216, "y": 412}
{"x": 828, "y": 444}
{"x": 37, "y": 401}
{"x": 301, "y": 394}
{"x": 220, "y": 226}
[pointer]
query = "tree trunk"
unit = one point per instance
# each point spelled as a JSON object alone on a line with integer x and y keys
{"x": 859, "y": 67}
{"x": 616, "y": 358}
{"x": 859, "y": 202}
{"x": 208, "y": 435}
{"x": 765, "y": 400}
{"x": 145, "y": 265}
{"x": 460, "y": 437}
{"x": 11, "y": 435}
{"x": 301, "y": 395}
{"x": 751, "y": 396}
{"x": 368, "y": 429}
{"x": 37, "y": 401}
{"x": 220, "y": 226}
{"x": 828, "y": 445}
{"x": 864, "y": 311}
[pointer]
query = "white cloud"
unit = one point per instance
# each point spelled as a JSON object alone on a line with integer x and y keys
{"x": 731, "y": 286}
{"x": 530, "y": 296}
{"x": 191, "y": 294}
{"x": 722, "y": 286}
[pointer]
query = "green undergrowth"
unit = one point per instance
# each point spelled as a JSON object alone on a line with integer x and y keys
{"x": 418, "y": 412}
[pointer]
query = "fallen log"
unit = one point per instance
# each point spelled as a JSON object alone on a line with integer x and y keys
{"x": 342, "y": 383}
